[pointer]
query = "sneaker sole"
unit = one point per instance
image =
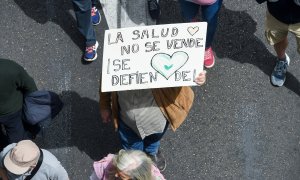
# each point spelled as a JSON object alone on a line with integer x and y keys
{"x": 93, "y": 59}
{"x": 96, "y": 23}
{"x": 277, "y": 84}
{"x": 164, "y": 167}
{"x": 210, "y": 65}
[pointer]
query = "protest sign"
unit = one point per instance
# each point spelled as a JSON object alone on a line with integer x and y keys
{"x": 157, "y": 56}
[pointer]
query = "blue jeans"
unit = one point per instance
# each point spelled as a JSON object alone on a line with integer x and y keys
{"x": 82, "y": 9}
{"x": 130, "y": 140}
{"x": 209, "y": 13}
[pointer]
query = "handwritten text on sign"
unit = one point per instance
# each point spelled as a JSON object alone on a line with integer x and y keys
{"x": 153, "y": 56}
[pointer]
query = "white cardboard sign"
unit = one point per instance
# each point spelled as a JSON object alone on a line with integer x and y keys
{"x": 157, "y": 56}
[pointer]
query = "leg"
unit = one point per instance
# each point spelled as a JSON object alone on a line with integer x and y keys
{"x": 280, "y": 48}
{"x": 151, "y": 147}
{"x": 14, "y": 127}
{"x": 3, "y": 139}
{"x": 154, "y": 9}
{"x": 129, "y": 139}
{"x": 82, "y": 10}
{"x": 152, "y": 142}
{"x": 94, "y": 3}
{"x": 96, "y": 17}
{"x": 189, "y": 10}
{"x": 210, "y": 15}
{"x": 276, "y": 34}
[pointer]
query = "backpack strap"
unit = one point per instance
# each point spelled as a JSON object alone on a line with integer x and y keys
{"x": 37, "y": 167}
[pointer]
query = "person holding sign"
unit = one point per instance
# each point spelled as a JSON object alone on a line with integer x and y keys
{"x": 283, "y": 16}
{"x": 209, "y": 9}
{"x": 87, "y": 15}
{"x": 141, "y": 117}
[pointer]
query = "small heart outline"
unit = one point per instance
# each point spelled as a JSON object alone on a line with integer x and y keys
{"x": 193, "y": 30}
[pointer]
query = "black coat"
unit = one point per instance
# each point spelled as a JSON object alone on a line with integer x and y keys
{"x": 286, "y": 11}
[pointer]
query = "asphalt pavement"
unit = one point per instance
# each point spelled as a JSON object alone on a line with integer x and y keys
{"x": 240, "y": 126}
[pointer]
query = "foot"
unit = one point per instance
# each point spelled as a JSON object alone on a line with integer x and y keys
{"x": 91, "y": 52}
{"x": 96, "y": 17}
{"x": 209, "y": 58}
{"x": 154, "y": 9}
{"x": 159, "y": 160}
{"x": 279, "y": 73}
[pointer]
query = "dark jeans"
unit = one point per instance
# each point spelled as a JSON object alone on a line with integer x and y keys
{"x": 14, "y": 128}
{"x": 130, "y": 140}
{"x": 209, "y": 13}
{"x": 82, "y": 9}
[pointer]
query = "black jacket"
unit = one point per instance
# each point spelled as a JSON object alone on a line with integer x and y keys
{"x": 286, "y": 11}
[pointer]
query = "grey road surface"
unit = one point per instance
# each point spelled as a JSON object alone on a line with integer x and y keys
{"x": 240, "y": 127}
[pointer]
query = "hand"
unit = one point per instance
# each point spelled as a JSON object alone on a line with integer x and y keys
{"x": 201, "y": 78}
{"x": 105, "y": 115}
{"x": 3, "y": 175}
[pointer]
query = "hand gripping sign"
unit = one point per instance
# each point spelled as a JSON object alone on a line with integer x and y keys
{"x": 157, "y": 56}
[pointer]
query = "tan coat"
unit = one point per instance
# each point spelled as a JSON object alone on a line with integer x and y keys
{"x": 175, "y": 103}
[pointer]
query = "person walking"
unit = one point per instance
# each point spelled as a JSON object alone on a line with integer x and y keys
{"x": 282, "y": 17}
{"x": 25, "y": 160}
{"x": 15, "y": 84}
{"x": 87, "y": 15}
{"x": 209, "y": 12}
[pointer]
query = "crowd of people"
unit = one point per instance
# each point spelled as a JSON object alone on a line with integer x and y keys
{"x": 141, "y": 117}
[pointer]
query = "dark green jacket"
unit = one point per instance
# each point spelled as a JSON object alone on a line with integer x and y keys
{"x": 14, "y": 84}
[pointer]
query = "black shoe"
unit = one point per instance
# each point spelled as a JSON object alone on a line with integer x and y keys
{"x": 159, "y": 160}
{"x": 154, "y": 9}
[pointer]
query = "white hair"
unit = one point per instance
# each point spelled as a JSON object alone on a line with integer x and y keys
{"x": 136, "y": 164}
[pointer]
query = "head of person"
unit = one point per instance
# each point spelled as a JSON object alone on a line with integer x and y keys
{"x": 133, "y": 165}
{"x": 22, "y": 158}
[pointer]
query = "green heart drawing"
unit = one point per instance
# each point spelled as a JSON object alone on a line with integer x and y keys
{"x": 167, "y": 65}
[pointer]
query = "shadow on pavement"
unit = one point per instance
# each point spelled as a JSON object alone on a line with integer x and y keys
{"x": 235, "y": 39}
{"x": 79, "y": 125}
{"x": 56, "y": 11}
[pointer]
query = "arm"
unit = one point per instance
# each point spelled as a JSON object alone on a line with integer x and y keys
{"x": 3, "y": 175}
{"x": 59, "y": 173}
{"x": 25, "y": 82}
{"x": 3, "y": 172}
{"x": 105, "y": 105}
